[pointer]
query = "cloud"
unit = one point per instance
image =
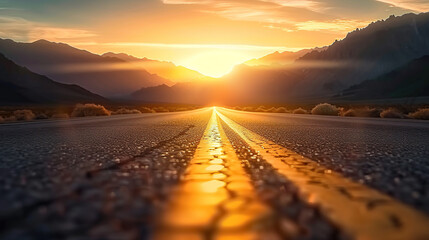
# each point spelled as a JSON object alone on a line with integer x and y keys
{"x": 186, "y": 1}
{"x": 415, "y": 5}
{"x": 313, "y": 5}
{"x": 59, "y": 34}
{"x": 288, "y": 16}
{"x": 238, "y": 47}
{"x": 340, "y": 25}
{"x": 23, "y": 30}
{"x": 268, "y": 11}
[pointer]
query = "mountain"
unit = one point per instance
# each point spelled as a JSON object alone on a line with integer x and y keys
{"x": 18, "y": 85}
{"x": 411, "y": 80}
{"x": 223, "y": 91}
{"x": 366, "y": 53}
{"x": 201, "y": 93}
{"x": 107, "y": 76}
{"x": 280, "y": 58}
{"x": 363, "y": 54}
{"x": 169, "y": 70}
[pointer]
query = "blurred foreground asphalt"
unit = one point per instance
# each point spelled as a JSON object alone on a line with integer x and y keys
{"x": 112, "y": 177}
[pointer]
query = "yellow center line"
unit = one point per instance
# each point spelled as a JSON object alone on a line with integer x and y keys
{"x": 215, "y": 197}
{"x": 359, "y": 210}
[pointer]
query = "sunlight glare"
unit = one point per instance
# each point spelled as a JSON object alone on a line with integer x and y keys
{"x": 212, "y": 186}
{"x": 216, "y": 63}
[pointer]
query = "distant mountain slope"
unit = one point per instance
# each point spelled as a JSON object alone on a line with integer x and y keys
{"x": 280, "y": 58}
{"x": 164, "y": 69}
{"x": 228, "y": 90}
{"x": 411, "y": 80}
{"x": 18, "y": 85}
{"x": 200, "y": 93}
{"x": 65, "y": 64}
{"x": 367, "y": 53}
{"x": 364, "y": 54}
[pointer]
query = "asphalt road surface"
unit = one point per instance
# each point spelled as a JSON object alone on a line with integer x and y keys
{"x": 214, "y": 174}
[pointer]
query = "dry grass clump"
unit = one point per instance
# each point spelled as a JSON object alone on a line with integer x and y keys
{"x": 10, "y": 119}
{"x": 161, "y": 110}
{"x": 325, "y": 109}
{"x": 237, "y": 108}
{"x": 89, "y": 110}
{"x": 24, "y": 115}
{"x": 147, "y": 110}
{"x": 422, "y": 114}
{"x": 300, "y": 111}
{"x": 272, "y": 109}
{"x": 40, "y": 116}
{"x": 280, "y": 110}
{"x": 126, "y": 111}
{"x": 392, "y": 113}
{"x": 60, "y": 116}
{"x": 362, "y": 112}
{"x": 182, "y": 109}
{"x": 261, "y": 109}
{"x": 248, "y": 109}
{"x": 1, "y": 119}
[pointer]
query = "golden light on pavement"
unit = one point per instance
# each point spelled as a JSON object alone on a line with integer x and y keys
{"x": 212, "y": 186}
{"x": 214, "y": 194}
{"x": 215, "y": 168}
{"x": 218, "y": 176}
{"x": 216, "y": 161}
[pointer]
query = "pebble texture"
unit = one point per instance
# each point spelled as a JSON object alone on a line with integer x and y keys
{"x": 388, "y": 155}
{"x": 92, "y": 179}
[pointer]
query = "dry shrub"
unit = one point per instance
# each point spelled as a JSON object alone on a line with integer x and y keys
{"x": 147, "y": 110}
{"x": 126, "y": 111}
{"x": 237, "y": 108}
{"x": 392, "y": 113}
{"x": 248, "y": 109}
{"x": 41, "y": 116}
{"x": 10, "y": 119}
{"x": 299, "y": 111}
{"x": 181, "y": 109}
{"x": 280, "y": 110}
{"x": 422, "y": 114}
{"x": 272, "y": 109}
{"x": 24, "y": 115}
{"x": 60, "y": 116}
{"x": 325, "y": 109}
{"x": 89, "y": 110}
{"x": 1, "y": 119}
{"x": 261, "y": 109}
{"x": 161, "y": 110}
{"x": 362, "y": 112}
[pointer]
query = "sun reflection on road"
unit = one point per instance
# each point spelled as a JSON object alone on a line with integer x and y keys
{"x": 212, "y": 186}
{"x": 215, "y": 168}
{"x": 214, "y": 180}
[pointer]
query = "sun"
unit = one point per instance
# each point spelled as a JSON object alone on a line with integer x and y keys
{"x": 216, "y": 62}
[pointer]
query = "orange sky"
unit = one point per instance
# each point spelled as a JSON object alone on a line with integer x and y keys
{"x": 210, "y": 36}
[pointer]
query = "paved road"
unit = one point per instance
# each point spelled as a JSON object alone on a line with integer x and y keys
{"x": 114, "y": 177}
{"x": 388, "y": 154}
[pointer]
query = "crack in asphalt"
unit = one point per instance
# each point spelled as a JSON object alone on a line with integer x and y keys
{"x": 11, "y": 219}
{"x": 90, "y": 174}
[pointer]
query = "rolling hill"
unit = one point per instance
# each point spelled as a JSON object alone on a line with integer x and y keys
{"x": 18, "y": 85}
{"x": 364, "y": 54}
{"x": 280, "y": 58}
{"x": 168, "y": 70}
{"x": 107, "y": 76}
{"x": 411, "y": 80}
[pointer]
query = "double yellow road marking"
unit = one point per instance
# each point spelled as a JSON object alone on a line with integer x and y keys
{"x": 216, "y": 197}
